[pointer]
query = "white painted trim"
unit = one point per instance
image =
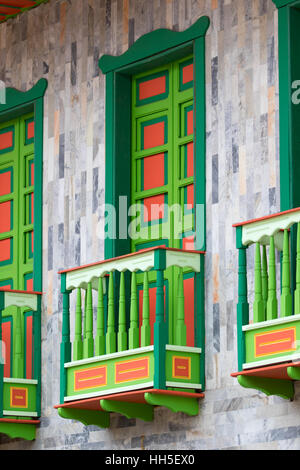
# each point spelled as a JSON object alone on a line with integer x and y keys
{"x": 268, "y": 362}
{"x": 106, "y": 357}
{"x": 20, "y": 381}
{"x": 276, "y": 321}
{"x": 20, "y": 299}
{"x": 183, "y": 259}
{"x": 172, "y": 347}
{"x": 110, "y": 391}
{"x": 19, "y": 413}
{"x": 183, "y": 385}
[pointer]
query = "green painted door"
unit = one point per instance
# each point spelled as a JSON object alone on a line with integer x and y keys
{"x": 16, "y": 237}
{"x": 162, "y": 175}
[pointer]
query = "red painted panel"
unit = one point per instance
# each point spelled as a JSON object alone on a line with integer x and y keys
{"x": 151, "y": 88}
{"x": 134, "y": 369}
{"x": 188, "y": 73}
{"x": 32, "y": 174}
{"x": 5, "y": 249}
{"x": 181, "y": 367}
{"x": 190, "y": 160}
{"x": 8, "y": 11}
{"x": 19, "y": 397}
{"x": 274, "y": 342}
{"x": 6, "y": 140}
{"x": 189, "y": 309}
{"x": 5, "y": 183}
{"x": 18, "y": 3}
{"x": 6, "y": 347}
{"x": 154, "y": 135}
{"x": 190, "y": 122}
{"x": 5, "y": 216}
{"x": 188, "y": 243}
{"x": 29, "y": 285}
{"x": 153, "y": 208}
{"x": 28, "y": 346}
{"x": 30, "y": 130}
{"x": 90, "y": 378}
{"x": 190, "y": 196}
{"x": 32, "y": 207}
{"x": 154, "y": 171}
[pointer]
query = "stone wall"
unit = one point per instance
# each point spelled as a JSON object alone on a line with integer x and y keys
{"x": 62, "y": 41}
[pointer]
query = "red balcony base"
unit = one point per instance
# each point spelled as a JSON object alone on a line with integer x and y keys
{"x": 134, "y": 404}
{"x": 271, "y": 380}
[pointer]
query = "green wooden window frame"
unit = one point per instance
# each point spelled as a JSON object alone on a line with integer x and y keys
{"x": 151, "y": 51}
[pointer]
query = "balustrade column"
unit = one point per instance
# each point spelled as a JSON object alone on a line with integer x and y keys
{"x": 65, "y": 347}
{"x": 122, "y": 333}
{"x": 180, "y": 327}
{"x": 1, "y": 355}
{"x": 264, "y": 278}
{"x": 77, "y": 345}
{"x": 134, "y": 315}
{"x": 286, "y": 297}
{"x": 146, "y": 329}
{"x": 160, "y": 329}
{"x": 272, "y": 306}
{"x": 18, "y": 354}
{"x": 242, "y": 306}
{"x": 297, "y": 290}
{"x": 100, "y": 337}
{"x": 110, "y": 333}
{"x": 258, "y": 305}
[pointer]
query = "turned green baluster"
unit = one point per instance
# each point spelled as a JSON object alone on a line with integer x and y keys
{"x": 88, "y": 342}
{"x": 100, "y": 337}
{"x": 264, "y": 278}
{"x": 297, "y": 290}
{"x": 122, "y": 333}
{"x": 180, "y": 328}
{"x": 258, "y": 305}
{"x": 84, "y": 314}
{"x": 286, "y": 297}
{"x": 134, "y": 315}
{"x": 272, "y": 298}
{"x": 145, "y": 328}
{"x": 77, "y": 345}
{"x": 110, "y": 333}
{"x": 18, "y": 363}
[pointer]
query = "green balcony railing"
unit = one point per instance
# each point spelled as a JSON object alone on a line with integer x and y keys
{"x": 20, "y": 396}
{"x": 268, "y": 328}
{"x": 113, "y": 342}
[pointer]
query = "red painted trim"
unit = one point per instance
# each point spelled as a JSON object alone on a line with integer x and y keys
{"x": 20, "y": 421}
{"x": 5, "y": 289}
{"x": 129, "y": 255}
{"x": 134, "y": 397}
{"x": 272, "y": 216}
{"x": 277, "y": 371}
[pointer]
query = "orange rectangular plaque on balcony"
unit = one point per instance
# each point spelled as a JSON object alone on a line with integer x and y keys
{"x": 135, "y": 369}
{"x": 181, "y": 367}
{"x": 275, "y": 342}
{"x": 18, "y": 397}
{"x": 90, "y": 378}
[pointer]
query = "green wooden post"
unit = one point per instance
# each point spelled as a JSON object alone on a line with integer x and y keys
{"x": 37, "y": 344}
{"x": 242, "y": 306}
{"x": 77, "y": 345}
{"x": 110, "y": 333}
{"x": 297, "y": 290}
{"x": 122, "y": 333}
{"x": 264, "y": 278}
{"x": 18, "y": 354}
{"x": 88, "y": 342}
{"x": 133, "y": 339}
{"x": 145, "y": 328}
{"x": 272, "y": 306}
{"x": 286, "y": 297}
{"x": 180, "y": 327}
{"x": 2, "y": 294}
{"x": 160, "y": 327}
{"x": 65, "y": 347}
{"x": 258, "y": 305}
{"x": 84, "y": 314}
{"x": 100, "y": 337}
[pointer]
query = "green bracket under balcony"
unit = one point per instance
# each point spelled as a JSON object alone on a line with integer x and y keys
{"x": 268, "y": 333}
{"x": 126, "y": 362}
{"x": 20, "y": 396}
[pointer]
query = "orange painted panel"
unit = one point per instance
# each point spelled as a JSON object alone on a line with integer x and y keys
{"x": 189, "y": 309}
{"x": 181, "y": 367}
{"x": 154, "y": 171}
{"x": 153, "y": 208}
{"x": 6, "y": 140}
{"x": 274, "y": 342}
{"x": 29, "y": 284}
{"x": 6, "y": 347}
{"x": 188, "y": 73}
{"x": 18, "y": 397}
{"x": 151, "y": 88}
{"x": 28, "y": 346}
{"x": 188, "y": 243}
{"x": 5, "y": 216}
{"x": 30, "y": 130}
{"x": 90, "y": 378}
{"x": 154, "y": 135}
{"x": 190, "y": 160}
{"x": 5, "y": 183}
{"x": 190, "y": 122}
{"x": 134, "y": 369}
{"x": 190, "y": 196}
{"x": 32, "y": 174}
{"x": 5, "y": 249}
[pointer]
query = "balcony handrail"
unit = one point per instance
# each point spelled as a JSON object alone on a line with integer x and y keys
{"x": 142, "y": 260}
{"x": 260, "y": 230}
